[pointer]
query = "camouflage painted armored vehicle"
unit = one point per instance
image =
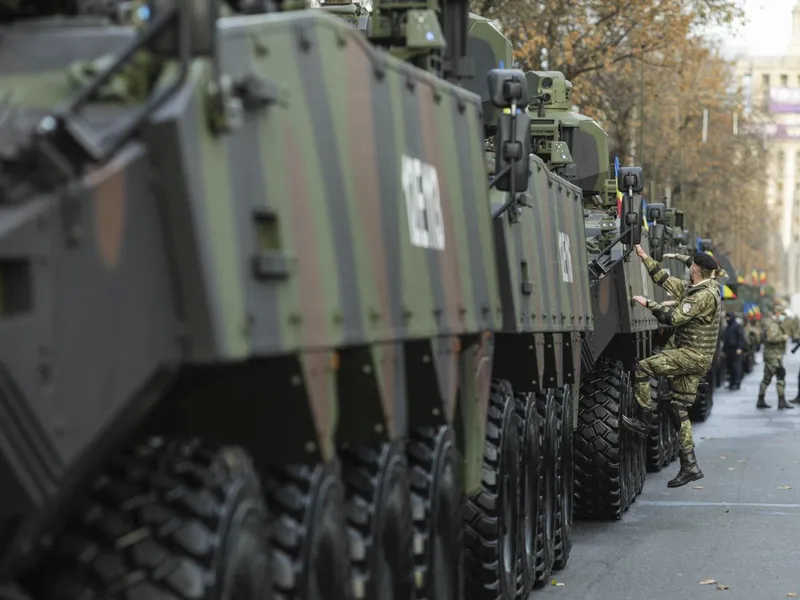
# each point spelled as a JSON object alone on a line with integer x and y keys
{"x": 546, "y": 309}
{"x": 609, "y": 462}
{"x": 251, "y": 303}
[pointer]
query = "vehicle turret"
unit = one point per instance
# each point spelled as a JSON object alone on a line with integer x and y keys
{"x": 574, "y": 145}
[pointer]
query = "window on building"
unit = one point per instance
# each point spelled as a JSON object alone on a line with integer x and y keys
{"x": 784, "y": 80}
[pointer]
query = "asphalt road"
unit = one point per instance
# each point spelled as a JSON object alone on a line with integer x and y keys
{"x": 741, "y": 529}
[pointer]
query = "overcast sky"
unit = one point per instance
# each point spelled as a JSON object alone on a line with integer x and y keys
{"x": 768, "y": 29}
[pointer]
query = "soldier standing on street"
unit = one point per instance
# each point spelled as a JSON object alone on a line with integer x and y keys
{"x": 696, "y": 319}
{"x": 774, "y": 348}
{"x": 734, "y": 342}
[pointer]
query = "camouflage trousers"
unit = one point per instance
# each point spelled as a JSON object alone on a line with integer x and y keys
{"x": 773, "y": 365}
{"x": 682, "y": 369}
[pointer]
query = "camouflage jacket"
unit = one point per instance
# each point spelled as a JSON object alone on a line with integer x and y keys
{"x": 775, "y": 337}
{"x": 696, "y": 317}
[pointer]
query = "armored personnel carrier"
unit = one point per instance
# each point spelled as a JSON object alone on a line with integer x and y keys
{"x": 609, "y": 462}
{"x": 264, "y": 325}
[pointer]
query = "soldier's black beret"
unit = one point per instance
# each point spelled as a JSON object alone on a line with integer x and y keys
{"x": 705, "y": 261}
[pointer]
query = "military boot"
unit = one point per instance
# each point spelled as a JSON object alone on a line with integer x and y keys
{"x": 762, "y": 403}
{"x": 689, "y": 470}
{"x": 782, "y": 402}
{"x": 639, "y": 425}
{"x": 796, "y": 399}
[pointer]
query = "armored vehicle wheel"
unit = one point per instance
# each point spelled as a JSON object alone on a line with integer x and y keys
{"x": 599, "y": 471}
{"x": 640, "y": 446}
{"x": 168, "y": 520}
{"x": 627, "y": 441}
{"x": 566, "y": 479}
{"x": 547, "y": 408}
{"x": 531, "y": 473}
{"x": 380, "y": 519}
{"x": 436, "y": 492}
{"x": 675, "y": 442}
{"x": 656, "y": 444}
{"x": 701, "y": 409}
{"x": 666, "y": 433}
{"x": 310, "y": 534}
{"x": 491, "y": 532}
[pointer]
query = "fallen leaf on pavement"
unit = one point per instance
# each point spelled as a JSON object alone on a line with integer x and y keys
{"x": 723, "y": 457}
{"x": 556, "y": 583}
{"x": 784, "y": 487}
{"x": 731, "y": 468}
{"x": 742, "y": 461}
{"x": 722, "y": 587}
{"x": 791, "y": 595}
{"x": 697, "y": 487}
{"x": 708, "y": 582}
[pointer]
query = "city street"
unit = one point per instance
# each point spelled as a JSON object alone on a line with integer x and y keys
{"x": 739, "y": 526}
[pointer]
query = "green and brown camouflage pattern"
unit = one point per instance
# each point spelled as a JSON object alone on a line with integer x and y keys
{"x": 681, "y": 368}
{"x": 776, "y": 335}
{"x": 695, "y": 317}
{"x": 268, "y": 265}
{"x": 576, "y": 147}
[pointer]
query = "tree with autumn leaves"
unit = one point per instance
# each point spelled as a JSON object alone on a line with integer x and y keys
{"x": 628, "y": 54}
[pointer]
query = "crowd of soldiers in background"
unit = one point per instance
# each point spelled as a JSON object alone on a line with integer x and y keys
{"x": 745, "y": 336}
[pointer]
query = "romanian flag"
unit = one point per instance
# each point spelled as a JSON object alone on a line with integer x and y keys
{"x": 727, "y": 293}
{"x": 740, "y": 279}
{"x": 763, "y": 277}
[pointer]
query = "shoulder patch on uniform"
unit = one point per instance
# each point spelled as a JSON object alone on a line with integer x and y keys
{"x": 686, "y": 307}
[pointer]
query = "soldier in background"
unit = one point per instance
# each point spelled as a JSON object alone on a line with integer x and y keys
{"x": 696, "y": 321}
{"x": 775, "y": 339}
{"x": 753, "y": 337}
{"x": 795, "y": 333}
{"x": 734, "y": 343}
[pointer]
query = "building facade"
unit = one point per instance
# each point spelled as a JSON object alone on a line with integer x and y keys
{"x": 773, "y": 85}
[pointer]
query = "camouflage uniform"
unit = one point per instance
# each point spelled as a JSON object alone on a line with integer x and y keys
{"x": 696, "y": 319}
{"x": 774, "y": 348}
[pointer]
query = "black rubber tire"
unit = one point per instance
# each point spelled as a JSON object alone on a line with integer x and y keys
{"x": 492, "y": 528}
{"x": 701, "y": 409}
{"x": 656, "y": 444}
{"x": 598, "y": 451}
{"x": 667, "y": 427}
{"x": 437, "y": 497}
{"x": 566, "y": 479}
{"x": 675, "y": 443}
{"x": 380, "y": 519}
{"x": 548, "y": 499}
{"x": 169, "y": 520}
{"x": 531, "y": 473}
{"x": 310, "y": 535}
{"x": 640, "y": 451}
{"x": 626, "y": 444}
